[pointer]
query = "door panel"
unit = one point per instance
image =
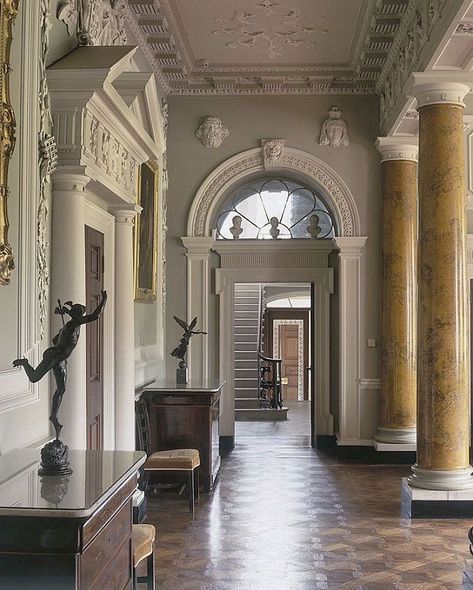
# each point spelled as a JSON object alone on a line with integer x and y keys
{"x": 288, "y": 339}
{"x": 94, "y": 262}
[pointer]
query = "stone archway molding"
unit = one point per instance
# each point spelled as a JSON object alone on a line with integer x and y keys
{"x": 306, "y": 166}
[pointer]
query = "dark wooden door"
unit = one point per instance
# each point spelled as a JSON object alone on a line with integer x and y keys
{"x": 94, "y": 266}
{"x": 289, "y": 348}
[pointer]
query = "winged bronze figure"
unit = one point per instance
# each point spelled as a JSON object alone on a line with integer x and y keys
{"x": 181, "y": 349}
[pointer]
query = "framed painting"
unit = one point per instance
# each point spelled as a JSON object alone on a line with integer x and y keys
{"x": 146, "y": 233}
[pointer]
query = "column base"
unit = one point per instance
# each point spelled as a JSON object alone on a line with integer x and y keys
{"x": 422, "y": 503}
{"x": 397, "y": 436}
{"x": 451, "y": 480}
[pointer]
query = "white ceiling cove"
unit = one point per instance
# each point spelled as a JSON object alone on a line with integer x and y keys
{"x": 259, "y": 47}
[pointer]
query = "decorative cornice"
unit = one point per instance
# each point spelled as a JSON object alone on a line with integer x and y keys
{"x": 160, "y": 33}
{"x": 398, "y": 148}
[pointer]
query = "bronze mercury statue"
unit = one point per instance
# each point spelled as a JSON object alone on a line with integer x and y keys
{"x": 55, "y": 360}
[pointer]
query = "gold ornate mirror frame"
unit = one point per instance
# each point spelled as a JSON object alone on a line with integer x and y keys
{"x": 8, "y": 12}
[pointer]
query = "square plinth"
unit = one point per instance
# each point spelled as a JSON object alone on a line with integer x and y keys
{"x": 419, "y": 503}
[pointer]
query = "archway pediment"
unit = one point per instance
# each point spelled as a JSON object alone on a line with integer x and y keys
{"x": 246, "y": 164}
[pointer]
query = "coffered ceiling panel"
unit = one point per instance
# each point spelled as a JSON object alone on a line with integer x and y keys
{"x": 268, "y": 32}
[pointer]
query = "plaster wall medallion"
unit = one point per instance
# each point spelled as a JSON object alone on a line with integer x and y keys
{"x": 334, "y": 130}
{"x": 269, "y": 25}
{"x": 95, "y": 22}
{"x": 212, "y": 132}
{"x": 273, "y": 150}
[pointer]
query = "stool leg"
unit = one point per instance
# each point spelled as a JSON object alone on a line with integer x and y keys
{"x": 150, "y": 571}
{"x": 196, "y": 483}
{"x": 191, "y": 490}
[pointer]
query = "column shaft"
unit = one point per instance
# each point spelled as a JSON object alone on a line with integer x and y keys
{"x": 68, "y": 284}
{"x": 124, "y": 332}
{"x": 443, "y": 391}
{"x": 398, "y": 302}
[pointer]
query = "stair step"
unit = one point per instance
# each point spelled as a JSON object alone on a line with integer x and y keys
{"x": 246, "y": 347}
{"x": 268, "y": 415}
{"x": 246, "y": 383}
{"x": 246, "y": 403}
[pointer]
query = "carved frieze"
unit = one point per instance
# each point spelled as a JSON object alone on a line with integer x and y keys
{"x": 95, "y": 22}
{"x": 212, "y": 132}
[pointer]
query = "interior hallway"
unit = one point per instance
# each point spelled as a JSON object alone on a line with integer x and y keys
{"x": 283, "y": 517}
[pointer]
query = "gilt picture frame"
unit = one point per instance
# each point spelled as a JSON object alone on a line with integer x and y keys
{"x": 146, "y": 233}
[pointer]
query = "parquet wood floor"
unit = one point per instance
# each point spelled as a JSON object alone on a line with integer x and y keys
{"x": 285, "y": 517}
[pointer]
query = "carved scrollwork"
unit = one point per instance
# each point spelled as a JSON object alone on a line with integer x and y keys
{"x": 8, "y": 12}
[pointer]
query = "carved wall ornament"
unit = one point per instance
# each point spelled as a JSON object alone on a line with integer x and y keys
{"x": 334, "y": 130}
{"x": 269, "y": 25}
{"x": 165, "y": 117}
{"x": 465, "y": 28}
{"x": 273, "y": 150}
{"x": 95, "y": 22}
{"x": 9, "y": 10}
{"x": 212, "y": 132}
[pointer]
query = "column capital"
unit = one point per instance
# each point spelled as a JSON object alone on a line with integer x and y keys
{"x": 439, "y": 87}
{"x": 71, "y": 179}
{"x": 398, "y": 147}
{"x": 125, "y": 213}
{"x": 198, "y": 247}
{"x": 350, "y": 247}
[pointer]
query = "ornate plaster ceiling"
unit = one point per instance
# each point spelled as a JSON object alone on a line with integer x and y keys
{"x": 268, "y": 46}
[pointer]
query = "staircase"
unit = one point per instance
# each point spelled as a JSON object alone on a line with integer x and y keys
{"x": 246, "y": 326}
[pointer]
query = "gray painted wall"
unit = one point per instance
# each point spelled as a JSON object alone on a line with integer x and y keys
{"x": 249, "y": 119}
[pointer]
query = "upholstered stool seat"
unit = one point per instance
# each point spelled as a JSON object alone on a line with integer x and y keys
{"x": 178, "y": 460}
{"x": 175, "y": 460}
{"x": 143, "y": 537}
{"x": 187, "y": 460}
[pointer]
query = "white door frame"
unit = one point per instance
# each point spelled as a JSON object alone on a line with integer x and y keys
{"x": 297, "y": 261}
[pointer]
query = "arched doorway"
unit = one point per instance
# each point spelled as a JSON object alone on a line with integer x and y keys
{"x": 295, "y": 260}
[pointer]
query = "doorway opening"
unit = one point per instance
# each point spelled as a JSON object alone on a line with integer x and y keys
{"x": 273, "y": 358}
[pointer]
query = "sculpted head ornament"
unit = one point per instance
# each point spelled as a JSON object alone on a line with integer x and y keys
{"x": 334, "y": 130}
{"x": 212, "y": 132}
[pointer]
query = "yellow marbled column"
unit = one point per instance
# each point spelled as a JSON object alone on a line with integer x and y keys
{"x": 398, "y": 306}
{"x": 443, "y": 388}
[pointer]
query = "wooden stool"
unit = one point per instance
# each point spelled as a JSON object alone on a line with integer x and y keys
{"x": 143, "y": 546}
{"x": 178, "y": 460}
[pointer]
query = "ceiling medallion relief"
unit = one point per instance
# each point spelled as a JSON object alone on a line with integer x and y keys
{"x": 212, "y": 132}
{"x": 269, "y": 25}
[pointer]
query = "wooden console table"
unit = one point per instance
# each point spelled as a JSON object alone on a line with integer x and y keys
{"x": 186, "y": 416}
{"x": 67, "y": 533}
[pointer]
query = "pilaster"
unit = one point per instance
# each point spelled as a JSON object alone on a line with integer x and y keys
{"x": 198, "y": 282}
{"x": 350, "y": 337}
{"x": 124, "y": 327}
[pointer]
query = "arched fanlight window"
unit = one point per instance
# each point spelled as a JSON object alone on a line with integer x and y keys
{"x": 274, "y": 209}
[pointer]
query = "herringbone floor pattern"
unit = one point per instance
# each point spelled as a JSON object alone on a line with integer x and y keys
{"x": 283, "y": 517}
